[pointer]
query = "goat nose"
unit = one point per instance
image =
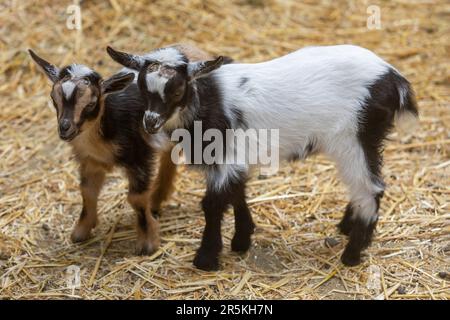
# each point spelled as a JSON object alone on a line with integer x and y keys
{"x": 64, "y": 125}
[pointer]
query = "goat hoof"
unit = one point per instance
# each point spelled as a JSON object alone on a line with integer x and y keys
{"x": 146, "y": 248}
{"x": 240, "y": 243}
{"x": 80, "y": 234}
{"x": 351, "y": 259}
{"x": 206, "y": 263}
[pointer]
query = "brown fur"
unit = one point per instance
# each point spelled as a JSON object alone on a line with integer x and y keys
{"x": 147, "y": 227}
{"x": 96, "y": 158}
{"x": 164, "y": 181}
{"x": 86, "y": 95}
{"x": 56, "y": 95}
{"x": 92, "y": 177}
{"x": 89, "y": 145}
{"x": 192, "y": 53}
{"x": 97, "y": 154}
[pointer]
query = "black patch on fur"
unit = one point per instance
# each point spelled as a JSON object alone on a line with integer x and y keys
{"x": 359, "y": 231}
{"x": 345, "y": 226}
{"x": 156, "y": 214}
{"x": 310, "y": 147}
{"x": 90, "y": 114}
{"x": 227, "y": 60}
{"x": 243, "y": 222}
{"x": 243, "y": 81}
{"x": 239, "y": 117}
{"x": 348, "y": 223}
{"x": 69, "y": 104}
{"x": 208, "y": 105}
{"x": 375, "y": 121}
{"x": 294, "y": 157}
{"x": 378, "y": 197}
{"x": 121, "y": 124}
{"x": 376, "y": 118}
{"x": 139, "y": 179}
{"x": 360, "y": 238}
{"x": 64, "y": 73}
{"x": 83, "y": 181}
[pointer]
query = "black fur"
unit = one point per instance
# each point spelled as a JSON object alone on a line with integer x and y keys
{"x": 294, "y": 157}
{"x": 207, "y": 101}
{"x": 244, "y": 225}
{"x": 238, "y": 115}
{"x": 376, "y": 120}
{"x": 227, "y": 60}
{"x": 360, "y": 238}
{"x": 208, "y": 104}
{"x": 310, "y": 147}
{"x": 243, "y": 81}
{"x": 121, "y": 124}
{"x": 347, "y": 222}
{"x": 214, "y": 204}
{"x": 345, "y": 226}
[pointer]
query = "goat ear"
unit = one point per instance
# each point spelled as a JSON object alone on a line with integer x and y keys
{"x": 116, "y": 83}
{"x": 51, "y": 71}
{"x": 131, "y": 61}
{"x": 201, "y": 68}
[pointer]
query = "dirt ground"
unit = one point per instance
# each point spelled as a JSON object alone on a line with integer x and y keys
{"x": 296, "y": 210}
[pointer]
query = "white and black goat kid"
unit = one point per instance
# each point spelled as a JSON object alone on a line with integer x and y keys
{"x": 338, "y": 100}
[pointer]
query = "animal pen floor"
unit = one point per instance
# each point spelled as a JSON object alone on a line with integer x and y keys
{"x": 295, "y": 210}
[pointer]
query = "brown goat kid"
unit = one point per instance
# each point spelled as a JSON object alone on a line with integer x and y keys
{"x": 102, "y": 120}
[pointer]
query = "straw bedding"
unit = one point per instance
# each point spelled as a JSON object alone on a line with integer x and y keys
{"x": 296, "y": 247}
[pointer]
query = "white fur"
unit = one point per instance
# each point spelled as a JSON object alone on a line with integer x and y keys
{"x": 311, "y": 94}
{"x": 168, "y": 56}
{"x": 156, "y": 83}
{"x": 75, "y": 71}
{"x": 79, "y": 70}
{"x": 152, "y": 114}
{"x": 220, "y": 177}
{"x": 67, "y": 88}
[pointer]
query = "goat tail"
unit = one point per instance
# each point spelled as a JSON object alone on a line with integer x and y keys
{"x": 407, "y": 114}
